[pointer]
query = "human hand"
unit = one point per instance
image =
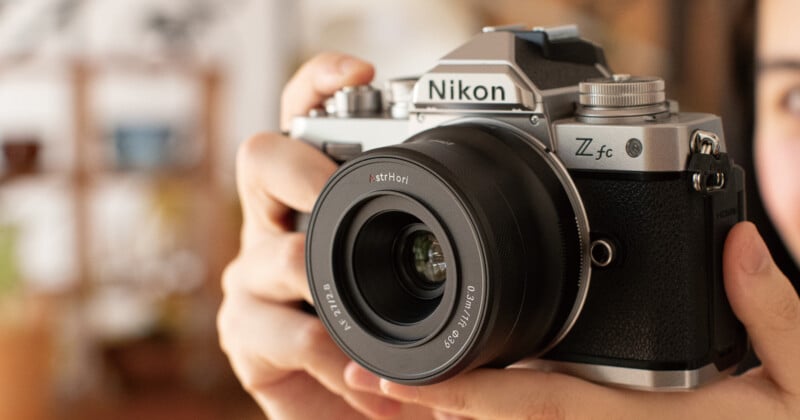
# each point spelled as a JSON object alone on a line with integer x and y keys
{"x": 762, "y": 298}
{"x": 283, "y": 356}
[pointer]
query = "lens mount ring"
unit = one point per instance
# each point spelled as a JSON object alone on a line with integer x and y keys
{"x": 576, "y": 203}
{"x": 582, "y": 222}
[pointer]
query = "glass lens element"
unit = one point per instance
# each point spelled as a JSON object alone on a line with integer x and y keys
{"x": 428, "y": 257}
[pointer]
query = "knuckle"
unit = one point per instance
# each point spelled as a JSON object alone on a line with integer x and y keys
{"x": 318, "y": 63}
{"x": 252, "y": 149}
{"x": 252, "y": 381}
{"x": 312, "y": 335}
{"x": 787, "y": 312}
{"x": 546, "y": 411}
{"x": 458, "y": 402}
{"x": 294, "y": 252}
{"x": 253, "y": 374}
{"x": 229, "y": 276}
{"x": 223, "y": 328}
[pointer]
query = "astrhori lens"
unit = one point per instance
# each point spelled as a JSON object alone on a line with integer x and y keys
{"x": 474, "y": 257}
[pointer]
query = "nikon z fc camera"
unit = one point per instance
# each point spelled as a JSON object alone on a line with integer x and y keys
{"x": 520, "y": 205}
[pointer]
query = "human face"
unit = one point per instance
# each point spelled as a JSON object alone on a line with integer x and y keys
{"x": 777, "y": 145}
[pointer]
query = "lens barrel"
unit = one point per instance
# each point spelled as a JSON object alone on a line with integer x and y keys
{"x": 464, "y": 246}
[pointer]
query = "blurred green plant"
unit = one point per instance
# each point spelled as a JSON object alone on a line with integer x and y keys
{"x": 9, "y": 270}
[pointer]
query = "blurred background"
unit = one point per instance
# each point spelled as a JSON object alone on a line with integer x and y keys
{"x": 119, "y": 123}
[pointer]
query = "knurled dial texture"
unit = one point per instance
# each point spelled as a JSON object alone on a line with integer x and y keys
{"x": 621, "y": 91}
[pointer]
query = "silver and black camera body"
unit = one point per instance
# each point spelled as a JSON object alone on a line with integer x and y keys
{"x": 520, "y": 205}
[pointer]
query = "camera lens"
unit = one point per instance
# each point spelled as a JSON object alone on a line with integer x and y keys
{"x": 397, "y": 277}
{"x": 422, "y": 252}
{"x": 465, "y": 246}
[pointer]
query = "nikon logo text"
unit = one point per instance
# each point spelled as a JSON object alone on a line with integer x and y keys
{"x": 458, "y": 90}
{"x": 388, "y": 177}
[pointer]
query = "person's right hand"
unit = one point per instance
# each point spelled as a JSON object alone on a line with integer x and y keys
{"x": 283, "y": 356}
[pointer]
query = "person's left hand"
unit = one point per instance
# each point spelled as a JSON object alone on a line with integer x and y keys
{"x": 762, "y": 298}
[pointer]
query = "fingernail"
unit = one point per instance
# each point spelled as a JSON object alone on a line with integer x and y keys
{"x": 402, "y": 392}
{"x": 756, "y": 259}
{"x": 361, "y": 379}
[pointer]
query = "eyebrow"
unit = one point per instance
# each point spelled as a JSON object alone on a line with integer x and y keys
{"x": 778, "y": 64}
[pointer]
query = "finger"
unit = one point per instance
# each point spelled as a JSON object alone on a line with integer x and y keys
{"x": 318, "y": 79}
{"x": 442, "y": 415}
{"x": 766, "y": 303}
{"x": 275, "y": 176}
{"x": 273, "y": 269}
{"x": 514, "y": 393}
{"x": 301, "y": 397}
{"x": 268, "y": 342}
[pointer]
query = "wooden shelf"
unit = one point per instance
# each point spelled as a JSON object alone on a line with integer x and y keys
{"x": 208, "y": 80}
{"x": 213, "y": 237}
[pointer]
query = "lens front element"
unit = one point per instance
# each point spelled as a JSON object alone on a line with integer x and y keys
{"x": 427, "y": 257}
{"x": 397, "y": 276}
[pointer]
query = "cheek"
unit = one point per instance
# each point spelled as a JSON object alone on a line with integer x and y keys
{"x": 778, "y": 173}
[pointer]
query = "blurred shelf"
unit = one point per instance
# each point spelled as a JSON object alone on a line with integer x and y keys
{"x": 209, "y": 233}
{"x": 116, "y": 63}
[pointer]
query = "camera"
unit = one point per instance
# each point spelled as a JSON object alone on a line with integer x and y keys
{"x": 520, "y": 205}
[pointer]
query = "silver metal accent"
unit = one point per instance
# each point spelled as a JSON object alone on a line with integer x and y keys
{"x": 399, "y": 93}
{"x": 622, "y": 91}
{"x": 356, "y": 101}
{"x": 632, "y": 114}
{"x": 666, "y": 143}
{"x": 706, "y": 142}
{"x": 641, "y": 379}
{"x": 609, "y": 249}
{"x": 489, "y": 59}
{"x": 496, "y": 52}
{"x": 369, "y": 133}
{"x": 634, "y": 148}
{"x": 317, "y": 113}
{"x": 715, "y": 182}
{"x": 478, "y": 86}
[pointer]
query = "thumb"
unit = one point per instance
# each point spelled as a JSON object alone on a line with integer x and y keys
{"x": 766, "y": 303}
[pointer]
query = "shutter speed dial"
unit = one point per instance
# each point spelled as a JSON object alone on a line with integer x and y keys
{"x": 622, "y": 95}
